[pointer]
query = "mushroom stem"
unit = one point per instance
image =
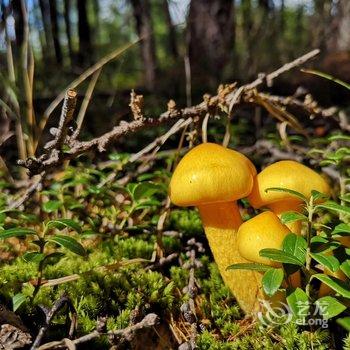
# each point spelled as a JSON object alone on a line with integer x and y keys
{"x": 221, "y": 222}
{"x": 281, "y": 207}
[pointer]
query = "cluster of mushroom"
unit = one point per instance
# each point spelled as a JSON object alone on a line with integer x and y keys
{"x": 212, "y": 178}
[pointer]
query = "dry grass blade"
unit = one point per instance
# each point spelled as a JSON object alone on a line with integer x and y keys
{"x": 113, "y": 55}
{"x": 327, "y": 76}
{"x": 86, "y": 101}
{"x": 279, "y": 113}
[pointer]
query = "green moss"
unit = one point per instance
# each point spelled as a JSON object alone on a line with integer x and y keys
{"x": 105, "y": 288}
{"x": 186, "y": 221}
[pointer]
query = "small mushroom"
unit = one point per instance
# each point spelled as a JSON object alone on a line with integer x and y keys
{"x": 263, "y": 231}
{"x": 213, "y": 178}
{"x": 290, "y": 175}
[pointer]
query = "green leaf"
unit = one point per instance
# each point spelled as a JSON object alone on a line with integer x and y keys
{"x": 94, "y": 189}
{"x": 145, "y": 190}
{"x": 16, "y": 232}
{"x": 298, "y": 302}
{"x": 272, "y": 280}
{"x": 341, "y": 228}
{"x": 336, "y": 284}
{"x": 320, "y": 244}
{"x": 144, "y": 177}
{"x": 344, "y": 322}
{"x": 51, "y": 206}
{"x": 345, "y": 267}
{"x": 69, "y": 243}
{"x": 292, "y": 192}
{"x": 249, "y": 266}
{"x": 333, "y": 206}
{"x": 316, "y": 195}
{"x": 296, "y": 246}
{"x": 35, "y": 257}
{"x": 147, "y": 203}
{"x": 130, "y": 187}
{"x": 329, "y": 307}
{"x": 339, "y": 137}
{"x": 329, "y": 261}
{"x": 292, "y": 216}
{"x": 280, "y": 256}
{"x": 52, "y": 258}
{"x": 60, "y": 224}
{"x": 18, "y": 300}
{"x": 122, "y": 157}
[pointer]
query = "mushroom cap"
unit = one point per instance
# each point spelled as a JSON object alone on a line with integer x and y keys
{"x": 262, "y": 231}
{"x": 211, "y": 173}
{"x": 285, "y": 174}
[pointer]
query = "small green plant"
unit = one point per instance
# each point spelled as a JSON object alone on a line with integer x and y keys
{"x": 319, "y": 255}
{"x": 42, "y": 256}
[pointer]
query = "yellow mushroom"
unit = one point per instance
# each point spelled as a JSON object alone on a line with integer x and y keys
{"x": 290, "y": 175}
{"x": 263, "y": 231}
{"x": 213, "y": 178}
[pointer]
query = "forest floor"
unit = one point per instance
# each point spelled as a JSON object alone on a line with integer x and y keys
{"x": 96, "y": 256}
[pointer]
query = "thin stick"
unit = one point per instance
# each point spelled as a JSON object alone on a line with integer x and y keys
{"x": 148, "y": 321}
{"x": 159, "y": 141}
{"x": 205, "y": 128}
{"x": 57, "y": 306}
{"x": 66, "y": 116}
{"x": 35, "y": 186}
{"x": 288, "y": 66}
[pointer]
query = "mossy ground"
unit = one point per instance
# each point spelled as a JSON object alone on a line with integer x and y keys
{"x": 126, "y": 292}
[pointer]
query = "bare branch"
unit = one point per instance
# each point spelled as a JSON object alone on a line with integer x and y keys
{"x": 226, "y": 98}
{"x": 127, "y": 333}
{"x": 57, "y": 306}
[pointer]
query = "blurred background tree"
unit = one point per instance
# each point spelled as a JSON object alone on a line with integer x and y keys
{"x": 187, "y": 47}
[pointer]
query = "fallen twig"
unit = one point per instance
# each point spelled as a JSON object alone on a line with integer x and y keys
{"x": 57, "y": 306}
{"x": 127, "y": 333}
{"x": 163, "y": 262}
{"x": 34, "y": 187}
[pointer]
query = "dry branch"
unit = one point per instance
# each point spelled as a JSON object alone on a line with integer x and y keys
{"x": 58, "y": 305}
{"x": 228, "y": 97}
{"x": 127, "y": 333}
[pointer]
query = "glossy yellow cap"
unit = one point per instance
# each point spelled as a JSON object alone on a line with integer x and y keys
{"x": 285, "y": 174}
{"x": 211, "y": 173}
{"x": 262, "y": 231}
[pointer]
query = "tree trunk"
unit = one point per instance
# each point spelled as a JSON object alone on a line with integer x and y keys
{"x": 97, "y": 25}
{"x": 142, "y": 15}
{"x": 85, "y": 47}
{"x": 247, "y": 24}
{"x": 55, "y": 31}
{"x": 19, "y": 21}
{"x": 266, "y": 5}
{"x": 45, "y": 15}
{"x": 321, "y": 24}
{"x": 40, "y": 32}
{"x": 171, "y": 31}
{"x": 67, "y": 7}
{"x": 343, "y": 37}
{"x": 282, "y": 20}
{"x": 210, "y": 35}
